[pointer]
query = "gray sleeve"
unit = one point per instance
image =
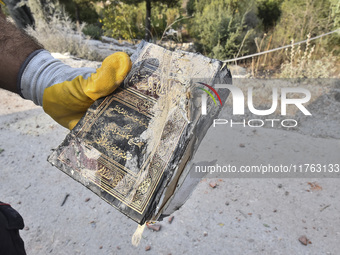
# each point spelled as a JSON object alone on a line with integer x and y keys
{"x": 41, "y": 71}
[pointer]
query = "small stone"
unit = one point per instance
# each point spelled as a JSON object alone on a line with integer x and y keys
{"x": 242, "y": 145}
{"x": 118, "y": 248}
{"x": 147, "y": 248}
{"x": 87, "y": 199}
{"x": 101, "y": 247}
{"x": 303, "y": 239}
{"x": 27, "y": 228}
{"x": 227, "y": 203}
{"x": 171, "y": 218}
{"x": 205, "y": 233}
{"x": 213, "y": 184}
{"x": 286, "y": 193}
{"x": 279, "y": 186}
{"x": 275, "y": 210}
{"x": 93, "y": 224}
{"x": 314, "y": 186}
{"x": 155, "y": 227}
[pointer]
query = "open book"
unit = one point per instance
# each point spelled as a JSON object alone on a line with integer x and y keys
{"x": 134, "y": 147}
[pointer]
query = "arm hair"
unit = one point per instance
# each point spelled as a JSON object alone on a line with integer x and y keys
{"x": 15, "y": 47}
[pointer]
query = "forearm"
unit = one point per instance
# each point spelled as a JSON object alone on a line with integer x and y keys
{"x": 65, "y": 93}
{"x": 15, "y": 47}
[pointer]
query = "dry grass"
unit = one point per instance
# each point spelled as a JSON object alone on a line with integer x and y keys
{"x": 301, "y": 63}
{"x": 62, "y": 35}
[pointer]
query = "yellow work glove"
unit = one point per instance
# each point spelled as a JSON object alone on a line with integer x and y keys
{"x": 68, "y": 92}
{"x": 67, "y": 102}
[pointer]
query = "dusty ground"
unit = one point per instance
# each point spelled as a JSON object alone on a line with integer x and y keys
{"x": 238, "y": 216}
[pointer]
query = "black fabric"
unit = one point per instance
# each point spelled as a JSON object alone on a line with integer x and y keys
{"x": 10, "y": 223}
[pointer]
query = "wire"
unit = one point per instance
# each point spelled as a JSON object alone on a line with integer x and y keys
{"x": 280, "y": 48}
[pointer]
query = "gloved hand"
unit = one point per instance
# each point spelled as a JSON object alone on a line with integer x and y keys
{"x": 65, "y": 92}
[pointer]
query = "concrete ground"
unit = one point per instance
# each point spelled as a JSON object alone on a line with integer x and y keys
{"x": 238, "y": 216}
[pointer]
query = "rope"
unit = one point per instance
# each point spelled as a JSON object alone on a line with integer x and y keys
{"x": 280, "y": 48}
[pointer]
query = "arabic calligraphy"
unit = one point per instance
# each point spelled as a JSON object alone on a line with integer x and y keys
{"x": 130, "y": 115}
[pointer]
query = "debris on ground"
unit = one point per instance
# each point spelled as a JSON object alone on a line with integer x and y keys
{"x": 314, "y": 186}
{"x": 323, "y": 208}
{"x": 241, "y": 212}
{"x": 171, "y": 218}
{"x": 303, "y": 239}
{"x": 155, "y": 227}
{"x": 64, "y": 201}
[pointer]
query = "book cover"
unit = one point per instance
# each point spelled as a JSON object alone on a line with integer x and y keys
{"x": 133, "y": 148}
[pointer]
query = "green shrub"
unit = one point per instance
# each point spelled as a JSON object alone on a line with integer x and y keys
{"x": 81, "y": 10}
{"x": 93, "y": 31}
{"x": 298, "y": 19}
{"x": 125, "y": 21}
{"x": 220, "y": 27}
{"x": 269, "y": 11}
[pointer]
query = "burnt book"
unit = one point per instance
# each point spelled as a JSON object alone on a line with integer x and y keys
{"x": 134, "y": 148}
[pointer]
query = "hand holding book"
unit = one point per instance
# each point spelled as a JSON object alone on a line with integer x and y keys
{"x": 134, "y": 147}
